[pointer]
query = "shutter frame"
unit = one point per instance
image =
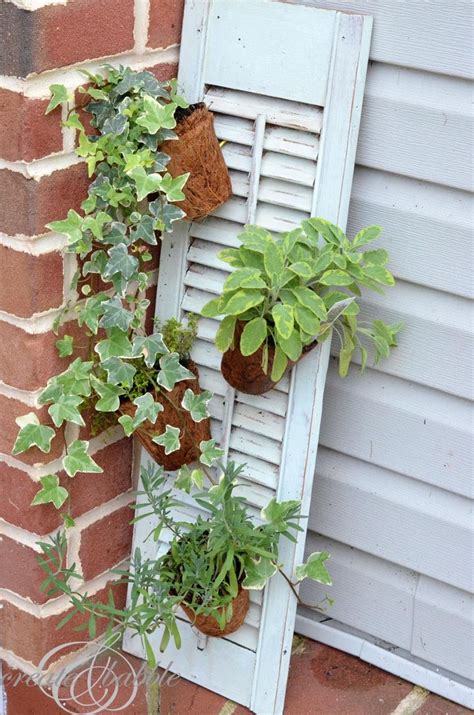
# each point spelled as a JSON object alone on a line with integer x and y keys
{"x": 223, "y": 666}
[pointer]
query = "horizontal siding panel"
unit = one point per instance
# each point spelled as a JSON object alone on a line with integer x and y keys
{"x": 387, "y": 614}
{"x": 416, "y": 215}
{"x": 413, "y": 128}
{"x": 365, "y": 507}
{"x": 443, "y": 626}
{"x": 436, "y": 344}
{"x": 400, "y": 426}
{"x": 434, "y": 35}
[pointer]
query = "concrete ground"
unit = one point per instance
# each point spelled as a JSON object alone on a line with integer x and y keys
{"x": 322, "y": 681}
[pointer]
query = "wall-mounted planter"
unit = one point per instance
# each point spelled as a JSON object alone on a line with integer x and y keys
{"x": 197, "y": 151}
{"x": 245, "y": 373}
{"x": 191, "y": 432}
{"x": 209, "y": 625}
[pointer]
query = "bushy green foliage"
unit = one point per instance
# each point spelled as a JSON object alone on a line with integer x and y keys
{"x": 130, "y": 200}
{"x": 210, "y": 558}
{"x": 290, "y": 290}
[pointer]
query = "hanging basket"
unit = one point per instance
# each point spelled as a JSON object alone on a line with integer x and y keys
{"x": 188, "y": 451}
{"x": 197, "y": 151}
{"x": 244, "y": 372}
{"x": 209, "y": 625}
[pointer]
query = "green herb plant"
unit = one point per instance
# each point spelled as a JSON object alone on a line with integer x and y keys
{"x": 209, "y": 559}
{"x": 290, "y": 290}
{"x": 130, "y": 199}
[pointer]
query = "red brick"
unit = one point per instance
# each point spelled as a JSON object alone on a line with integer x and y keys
{"x": 63, "y": 34}
{"x": 30, "y": 284}
{"x": 166, "y": 19}
{"x": 27, "y": 205}
{"x": 11, "y": 409}
{"x": 26, "y": 132}
{"x": 106, "y": 543}
{"x": 87, "y": 491}
{"x": 25, "y": 698}
{"x": 164, "y": 71}
{"x": 324, "y": 680}
{"x": 20, "y": 571}
{"x": 30, "y": 637}
{"x": 39, "y": 358}
{"x": 434, "y": 705}
{"x": 90, "y": 490}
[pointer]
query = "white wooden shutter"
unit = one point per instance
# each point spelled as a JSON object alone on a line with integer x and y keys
{"x": 285, "y": 83}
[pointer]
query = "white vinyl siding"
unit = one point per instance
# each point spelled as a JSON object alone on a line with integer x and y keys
{"x": 394, "y": 476}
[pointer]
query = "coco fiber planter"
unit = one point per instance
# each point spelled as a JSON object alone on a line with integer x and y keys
{"x": 188, "y": 451}
{"x": 244, "y": 372}
{"x": 209, "y": 625}
{"x": 197, "y": 151}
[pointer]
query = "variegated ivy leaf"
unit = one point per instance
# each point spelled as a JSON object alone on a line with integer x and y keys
{"x": 145, "y": 231}
{"x": 116, "y": 344}
{"x": 210, "y": 453}
{"x": 32, "y": 434}
{"x": 128, "y": 424}
{"x": 91, "y": 312}
{"x": 109, "y": 395}
{"x": 173, "y": 187}
{"x": 277, "y": 512}
{"x": 145, "y": 183}
{"x": 147, "y": 409}
{"x": 51, "y": 492}
{"x": 70, "y": 226}
{"x": 59, "y": 95}
{"x": 196, "y": 404}
{"x": 169, "y": 439}
{"x": 187, "y": 478}
{"x": 120, "y": 261}
{"x": 65, "y": 346}
{"x": 65, "y": 409}
{"x": 78, "y": 459}
{"x": 314, "y": 568}
{"x": 73, "y": 381}
{"x": 119, "y": 372}
{"x": 149, "y": 346}
{"x": 172, "y": 371}
{"x": 156, "y": 115}
{"x": 257, "y": 575}
{"x": 115, "y": 315}
{"x": 165, "y": 214}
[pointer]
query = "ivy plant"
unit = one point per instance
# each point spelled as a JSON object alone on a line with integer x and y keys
{"x": 290, "y": 290}
{"x": 130, "y": 202}
{"x": 209, "y": 559}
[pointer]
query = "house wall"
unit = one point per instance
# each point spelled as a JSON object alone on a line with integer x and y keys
{"x": 393, "y": 486}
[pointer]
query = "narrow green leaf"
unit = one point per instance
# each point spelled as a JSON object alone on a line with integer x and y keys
{"x": 284, "y": 320}
{"x": 280, "y": 363}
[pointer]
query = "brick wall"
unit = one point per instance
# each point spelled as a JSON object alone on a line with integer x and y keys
{"x": 43, "y": 42}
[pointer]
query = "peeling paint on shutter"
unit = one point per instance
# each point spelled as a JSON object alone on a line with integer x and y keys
{"x": 285, "y": 84}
